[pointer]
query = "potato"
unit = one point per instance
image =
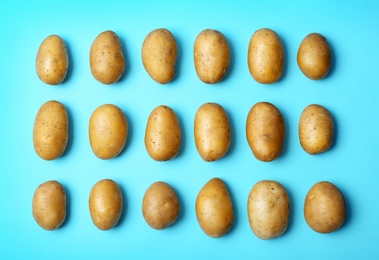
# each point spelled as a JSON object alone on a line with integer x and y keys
{"x": 265, "y": 131}
{"x": 159, "y": 52}
{"x": 105, "y": 204}
{"x": 52, "y": 60}
{"x": 49, "y": 205}
{"x": 50, "y": 131}
{"x": 324, "y": 207}
{"x": 265, "y": 56}
{"x": 211, "y": 56}
{"x": 316, "y": 129}
{"x": 212, "y": 132}
{"x": 162, "y": 135}
{"x": 160, "y": 205}
{"x": 214, "y": 209}
{"x": 314, "y": 56}
{"x": 106, "y": 58}
{"x": 268, "y": 209}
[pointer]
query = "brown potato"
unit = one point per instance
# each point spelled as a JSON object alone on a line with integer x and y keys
{"x": 265, "y": 56}
{"x": 106, "y": 58}
{"x": 159, "y": 52}
{"x": 212, "y": 132}
{"x": 211, "y": 56}
{"x": 316, "y": 129}
{"x": 314, "y": 56}
{"x": 214, "y": 209}
{"x": 52, "y": 60}
{"x": 268, "y": 209}
{"x": 162, "y": 135}
{"x": 160, "y": 205}
{"x": 324, "y": 207}
{"x": 105, "y": 204}
{"x": 265, "y": 131}
{"x": 108, "y": 131}
{"x": 50, "y": 131}
{"x": 49, "y": 205}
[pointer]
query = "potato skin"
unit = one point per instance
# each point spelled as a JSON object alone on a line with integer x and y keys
{"x": 265, "y": 56}
{"x": 106, "y": 58}
{"x": 212, "y": 132}
{"x": 108, "y": 131}
{"x": 105, "y": 204}
{"x": 314, "y": 56}
{"x": 159, "y": 52}
{"x": 324, "y": 207}
{"x": 316, "y": 129}
{"x": 265, "y": 131}
{"x": 211, "y": 56}
{"x": 49, "y": 205}
{"x": 52, "y": 60}
{"x": 160, "y": 205}
{"x": 214, "y": 209}
{"x": 268, "y": 209}
{"x": 162, "y": 135}
{"x": 50, "y": 131}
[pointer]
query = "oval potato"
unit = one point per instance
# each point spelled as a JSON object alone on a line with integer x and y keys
{"x": 106, "y": 58}
{"x": 162, "y": 135}
{"x": 52, "y": 60}
{"x": 159, "y": 52}
{"x": 265, "y": 56}
{"x": 49, "y": 205}
{"x": 212, "y": 132}
{"x": 50, "y": 131}
{"x": 265, "y": 131}
{"x": 211, "y": 56}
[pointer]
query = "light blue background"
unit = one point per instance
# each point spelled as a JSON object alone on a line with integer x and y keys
{"x": 350, "y": 92}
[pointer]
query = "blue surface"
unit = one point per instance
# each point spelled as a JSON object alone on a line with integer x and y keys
{"x": 350, "y": 92}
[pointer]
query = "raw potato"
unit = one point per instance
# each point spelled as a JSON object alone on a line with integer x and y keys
{"x": 106, "y": 58}
{"x": 265, "y": 56}
{"x": 160, "y": 205}
{"x": 49, "y": 205}
{"x": 214, "y": 209}
{"x": 105, "y": 204}
{"x": 211, "y": 56}
{"x": 316, "y": 129}
{"x": 314, "y": 56}
{"x": 162, "y": 135}
{"x": 50, "y": 131}
{"x": 268, "y": 209}
{"x": 52, "y": 60}
{"x": 265, "y": 131}
{"x": 324, "y": 207}
{"x": 159, "y": 52}
{"x": 212, "y": 132}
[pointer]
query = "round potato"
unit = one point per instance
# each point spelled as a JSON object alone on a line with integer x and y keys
{"x": 162, "y": 135}
{"x": 316, "y": 129}
{"x": 265, "y": 131}
{"x": 324, "y": 207}
{"x": 159, "y": 52}
{"x": 212, "y": 132}
{"x": 214, "y": 209}
{"x": 105, "y": 204}
{"x": 49, "y": 205}
{"x": 268, "y": 209}
{"x": 314, "y": 56}
{"x": 108, "y": 131}
{"x": 211, "y": 56}
{"x": 52, "y": 60}
{"x": 160, "y": 205}
{"x": 50, "y": 131}
{"x": 106, "y": 58}
{"x": 265, "y": 56}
